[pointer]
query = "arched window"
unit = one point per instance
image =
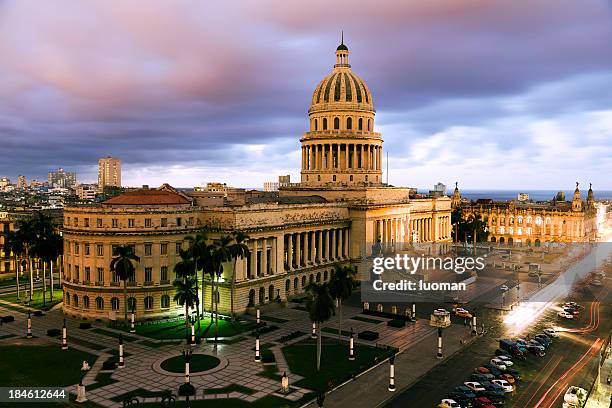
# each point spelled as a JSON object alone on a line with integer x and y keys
{"x": 75, "y": 301}
{"x": 351, "y": 178}
{"x": 287, "y": 285}
{"x": 131, "y": 302}
{"x": 262, "y": 296}
{"x": 99, "y": 303}
{"x": 311, "y": 278}
{"x": 334, "y": 177}
{"x": 115, "y": 303}
{"x": 148, "y": 302}
{"x": 316, "y": 124}
{"x": 369, "y": 124}
{"x": 86, "y": 302}
{"x": 304, "y": 281}
{"x": 165, "y": 301}
{"x": 68, "y": 298}
{"x": 271, "y": 293}
{"x": 318, "y": 278}
{"x": 360, "y": 124}
{"x": 325, "y": 276}
{"x": 324, "y": 123}
{"x": 349, "y": 123}
{"x": 295, "y": 283}
{"x": 336, "y": 123}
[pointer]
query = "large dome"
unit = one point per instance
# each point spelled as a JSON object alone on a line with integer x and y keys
{"x": 342, "y": 88}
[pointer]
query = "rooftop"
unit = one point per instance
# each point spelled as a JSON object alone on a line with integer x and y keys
{"x": 147, "y": 196}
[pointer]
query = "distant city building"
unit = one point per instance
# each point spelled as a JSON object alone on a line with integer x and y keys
{"x": 87, "y": 191}
{"x": 284, "y": 181}
{"x": 271, "y": 186}
{"x": 439, "y": 190}
{"x": 22, "y": 183}
{"x": 109, "y": 172}
{"x": 37, "y": 184}
{"x": 522, "y": 197}
{"x": 4, "y": 182}
{"x": 62, "y": 178}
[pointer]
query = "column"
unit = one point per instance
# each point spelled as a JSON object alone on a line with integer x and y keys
{"x": 334, "y": 253}
{"x": 365, "y": 159}
{"x": 313, "y": 246}
{"x": 264, "y": 256}
{"x": 380, "y": 158}
{"x": 298, "y": 254}
{"x": 326, "y": 245}
{"x": 341, "y": 242}
{"x": 320, "y": 247}
{"x": 273, "y": 269}
{"x": 290, "y": 251}
{"x": 346, "y": 156}
{"x": 253, "y": 271}
{"x": 354, "y": 156}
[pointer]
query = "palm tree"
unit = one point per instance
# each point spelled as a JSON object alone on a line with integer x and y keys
{"x": 341, "y": 287}
{"x": 123, "y": 266}
{"x": 13, "y": 245}
{"x": 56, "y": 249}
{"x": 221, "y": 253}
{"x": 197, "y": 250}
{"x": 238, "y": 250}
{"x": 185, "y": 268}
{"x": 26, "y": 235}
{"x": 186, "y": 294}
{"x": 320, "y": 306}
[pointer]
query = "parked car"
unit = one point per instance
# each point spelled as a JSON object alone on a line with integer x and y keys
{"x": 474, "y": 386}
{"x": 494, "y": 370}
{"x": 565, "y": 315}
{"x": 462, "y": 390}
{"x": 482, "y": 370}
{"x": 504, "y": 384}
{"x": 493, "y": 390}
{"x": 504, "y": 288}
{"x": 543, "y": 340}
{"x": 513, "y": 372}
{"x": 483, "y": 402}
{"x": 482, "y": 377}
{"x": 451, "y": 403}
{"x": 536, "y": 351}
{"x": 499, "y": 364}
{"x": 508, "y": 377}
{"x": 507, "y": 360}
{"x": 572, "y": 311}
{"x": 551, "y": 333}
{"x": 461, "y": 312}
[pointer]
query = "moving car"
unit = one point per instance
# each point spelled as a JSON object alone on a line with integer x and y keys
{"x": 474, "y": 386}
{"x": 565, "y": 315}
{"x": 504, "y": 384}
{"x": 461, "y": 312}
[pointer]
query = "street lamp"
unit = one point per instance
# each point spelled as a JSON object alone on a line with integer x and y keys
{"x": 64, "y": 336}
{"x": 121, "y": 360}
{"x": 392, "y": 374}
{"x": 351, "y": 347}
{"x": 29, "y": 334}
{"x": 257, "y": 354}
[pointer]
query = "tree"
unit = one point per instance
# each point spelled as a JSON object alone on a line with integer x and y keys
{"x": 341, "y": 285}
{"x": 13, "y": 245}
{"x": 185, "y": 268}
{"x": 238, "y": 250}
{"x": 198, "y": 250}
{"x": 43, "y": 230}
{"x": 320, "y": 306}
{"x": 26, "y": 235}
{"x": 123, "y": 266}
{"x": 465, "y": 225}
{"x": 186, "y": 294}
{"x": 221, "y": 253}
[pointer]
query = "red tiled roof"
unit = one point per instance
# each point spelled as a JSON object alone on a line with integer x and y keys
{"x": 148, "y": 197}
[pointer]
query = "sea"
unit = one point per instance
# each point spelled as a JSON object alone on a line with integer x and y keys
{"x": 534, "y": 195}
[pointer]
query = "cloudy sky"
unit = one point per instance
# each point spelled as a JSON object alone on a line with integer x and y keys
{"x": 495, "y": 94}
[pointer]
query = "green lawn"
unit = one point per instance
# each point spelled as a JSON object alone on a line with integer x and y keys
{"x": 331, "y": 330}
{"x": 109, "y": 333}
{"x": 367, "y": 320}
{"x": 335, "y": 366}
{"x": 8, "y": 280}
{"x": 177, "y": 329}
{"x": 269, "y": 401}
{"x": 41, "y": 366}
{"x": 37, "y": 299}
{"x": 197, "y": 363}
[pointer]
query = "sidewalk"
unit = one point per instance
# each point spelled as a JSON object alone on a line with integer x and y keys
{"x": 370, "y": 390}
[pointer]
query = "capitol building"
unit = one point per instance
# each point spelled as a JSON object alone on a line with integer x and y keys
{"x": 338, "y": 210}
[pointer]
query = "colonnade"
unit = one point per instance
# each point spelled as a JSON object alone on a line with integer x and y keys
{"x": 403, "y": 229}
{"x": 342, "y": 156}
{"x": 313, "y": 247}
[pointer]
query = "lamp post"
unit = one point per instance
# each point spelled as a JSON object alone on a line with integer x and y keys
{"x": 285, "y": 383}
{"x": 351, "y": 347}
{"x": 29, "y": 334}
{"x": 257, "y": 354}
{"x": 440, "y": 355}
{"x": 121, "y": 360}
{"x": 392, "y": 374}
{"x": 473, "y": 332}
{"x": 187, "y": 389}
{"x": 64, "y": 336}
{"x": 258, "y": 316}
{"x": 132, "y": 318}
{"x": 81, "y": 397}
{"x": 192, "y": 340}
{"x": 313, "y": 333}
{"x": 414, "y": 311}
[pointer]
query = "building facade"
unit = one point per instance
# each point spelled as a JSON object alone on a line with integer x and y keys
{"x": 109, "y": 172}
{"x": 61, "y": 178}
{"x": 296, "y": 236}
{"x": 535, "y": 224}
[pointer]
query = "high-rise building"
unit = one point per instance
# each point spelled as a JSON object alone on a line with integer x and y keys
{"x": 87, "y": 191}
{"x": 4, "y": 182}
{"x": 62, "y": 178}
{"x": 22, "y": 183}
{"x": 284, "y": 181}
{"x": 270, "y": 186}
{"x": 109, "y": 172}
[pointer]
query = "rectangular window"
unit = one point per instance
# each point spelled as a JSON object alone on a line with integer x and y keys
{"x": 114, "y": 250}
{"x": 115, "y": 222}
{"x": 76, "y": 248}
{"x": 131, "y": 222}
{"x": 86, "y": 222}
{"x": 115, "y": 277}
{"x": 163, "y": 249}
{"x": 132, "y": 277}
{"x": 86, "y": 249}
{"x": 179, "y": 246}
{"x": 148, "y": 249}
{"x": 164, "y": 222}
{"x": 76, "y": 222}
{"x": 190, "y": 221}
{"x": 77, "y": 271}
{"x": 100, "y": 275}
{"x": 179, "y": 221}
{"x": 148, "y": 275}
{"x": 67, "y": 221}
{"x": 164, "y": 273}
{"x": 100, "y": 250}
{"x": 147, "y": 222}
{"x": 87, "y": 274}
{"x": 67, "y": 246}
{"x": 99, "y": 222}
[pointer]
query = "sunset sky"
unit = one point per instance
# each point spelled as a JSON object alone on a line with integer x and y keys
{"x": 495, "y": 94}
